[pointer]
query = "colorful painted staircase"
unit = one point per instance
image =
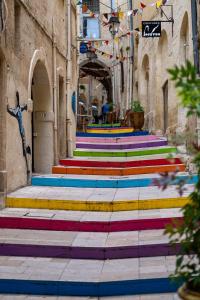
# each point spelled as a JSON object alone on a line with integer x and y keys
{"x": 94, "y": 228}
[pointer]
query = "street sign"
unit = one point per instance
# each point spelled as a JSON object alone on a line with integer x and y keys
{"x": 83, "y": 48}
{"x": 151, "y": 29}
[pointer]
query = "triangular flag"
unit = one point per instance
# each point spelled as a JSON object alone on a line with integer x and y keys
{"x": 92, "y": 15}
{"x": 84, "y": 8}
{"x": 105, "y": 16}
{"x": 121, "y": 15}
{"x": 116, "y": 39}
{"x": 78, "y": 3}
{"x": 142, "y": 5}
{"x": 106, "y": 42}
{"x": 158, "y": 3}
{"x": 165, "y": 2}
{"x": 137, "y": 29}
{"x": 129, "y": 13}
{"x": 135, "y": 11}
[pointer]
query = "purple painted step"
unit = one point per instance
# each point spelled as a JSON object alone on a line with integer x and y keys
{"x": 121, "y": 146}
{"x": 97, "y": 253}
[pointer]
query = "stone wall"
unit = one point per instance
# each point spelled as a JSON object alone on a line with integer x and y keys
{"x": 33, "y": 59}
{"x": 152, "y": 59}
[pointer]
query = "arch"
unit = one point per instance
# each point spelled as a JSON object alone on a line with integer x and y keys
{"x": 144, "y": 83}
{"x": 2, "y": 122}
{"x": 184, "y": 39}
{"x": 39, "y": 55}
{"x": 97, "y": 68}
{"x": 40, "y": 91}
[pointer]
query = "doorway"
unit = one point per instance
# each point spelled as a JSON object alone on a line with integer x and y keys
{"x": 42, "y": 121}
{"x": 165, "y": 106}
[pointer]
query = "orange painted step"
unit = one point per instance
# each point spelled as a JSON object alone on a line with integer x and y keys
{"x": 118, "y": 171}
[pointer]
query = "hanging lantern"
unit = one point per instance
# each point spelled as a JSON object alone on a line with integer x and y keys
{"x": 114, "y": 25}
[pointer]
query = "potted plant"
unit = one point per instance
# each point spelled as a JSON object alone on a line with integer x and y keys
{"x": 137, "y": 116}
{"x": 187, "y": 233}
{"x": 82, "y": 87}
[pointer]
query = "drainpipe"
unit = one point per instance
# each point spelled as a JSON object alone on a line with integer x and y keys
{"x": 55, "y": 105}
{"x": 131, "y": 79}
{"x": 195, "y": 51}
{"x": 195, "y": 34}
{"x": 68, "y": 82}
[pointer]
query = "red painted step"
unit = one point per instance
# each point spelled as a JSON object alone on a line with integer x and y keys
{"x": 85, "y": 226}
{"x": 120, "y": 164}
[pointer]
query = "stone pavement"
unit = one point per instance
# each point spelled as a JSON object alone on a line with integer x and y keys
{"x": 94, "y": 235}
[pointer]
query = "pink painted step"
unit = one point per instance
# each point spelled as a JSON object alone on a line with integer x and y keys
{"x": 118, "y": 140}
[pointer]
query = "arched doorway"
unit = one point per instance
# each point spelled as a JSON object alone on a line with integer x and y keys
{"x": 161, "y": 105}
{"x": 184, "y": 39}
{"x": 95, "y": 78}
{"x": 42, "y": 120}
{"x": 2, "y": 125}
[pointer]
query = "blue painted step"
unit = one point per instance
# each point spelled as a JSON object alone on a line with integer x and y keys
{"x": 88, "y": 289}
{"x": 100, "y": 183}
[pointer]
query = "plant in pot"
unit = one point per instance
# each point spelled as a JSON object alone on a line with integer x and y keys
{"x": 187, "y": 233}
{"x": 137, "y": 116}
{"x": 82, "y": 87}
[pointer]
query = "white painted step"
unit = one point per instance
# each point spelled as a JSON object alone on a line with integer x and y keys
{"x": 90, "y": 215}
{"x": 98, "y": 194}
{"x": 83, "y": 239}
{"x": 31, "y": 268}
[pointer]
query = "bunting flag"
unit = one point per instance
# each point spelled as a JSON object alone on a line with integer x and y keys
{"x": 142, "y": 5}
{"x": 159, "y": 3}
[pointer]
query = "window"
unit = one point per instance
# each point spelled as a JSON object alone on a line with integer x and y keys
{"x": 91, "y": 28}
{"x": 92, "y": 5}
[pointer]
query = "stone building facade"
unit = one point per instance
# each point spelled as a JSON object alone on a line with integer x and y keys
{"x": 153, "y": 56}
{"x": 34, "y": 60}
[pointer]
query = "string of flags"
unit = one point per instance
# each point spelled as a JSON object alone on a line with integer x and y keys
{"x": 121, "y": 14}
{"x": 100, "y": 43}
{"x": 108, "y": 55}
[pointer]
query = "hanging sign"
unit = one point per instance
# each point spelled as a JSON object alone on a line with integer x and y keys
{"x": 151, "y": 29}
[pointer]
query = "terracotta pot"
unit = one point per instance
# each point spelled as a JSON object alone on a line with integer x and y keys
{"x": 137, "y": 120}
{"x": 186, "y": 294}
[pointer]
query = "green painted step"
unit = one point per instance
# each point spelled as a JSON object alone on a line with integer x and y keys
{"x": 125, "y": 153}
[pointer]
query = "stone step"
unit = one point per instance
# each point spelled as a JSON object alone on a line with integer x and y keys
{"x": 143, "y": 297}
{"x": 120, "y": 146}
{"x": 112, "y": 135}
{"x": 120, "y": 164}
{"x": 117, "y": 172}
{"x": 39, "y": 223}
{"x": 167, "y": 156}
{"x": 53, "y": 276}
{"x": 130, "y": 139}
{"x": 85, "y": 245}
{"x": 110, "y": 130}
{"x": 138, "y": 152}
{"x": 97, "y": 181}
{"x": 100, "y": 200}
{"x": 114, "y": 125}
